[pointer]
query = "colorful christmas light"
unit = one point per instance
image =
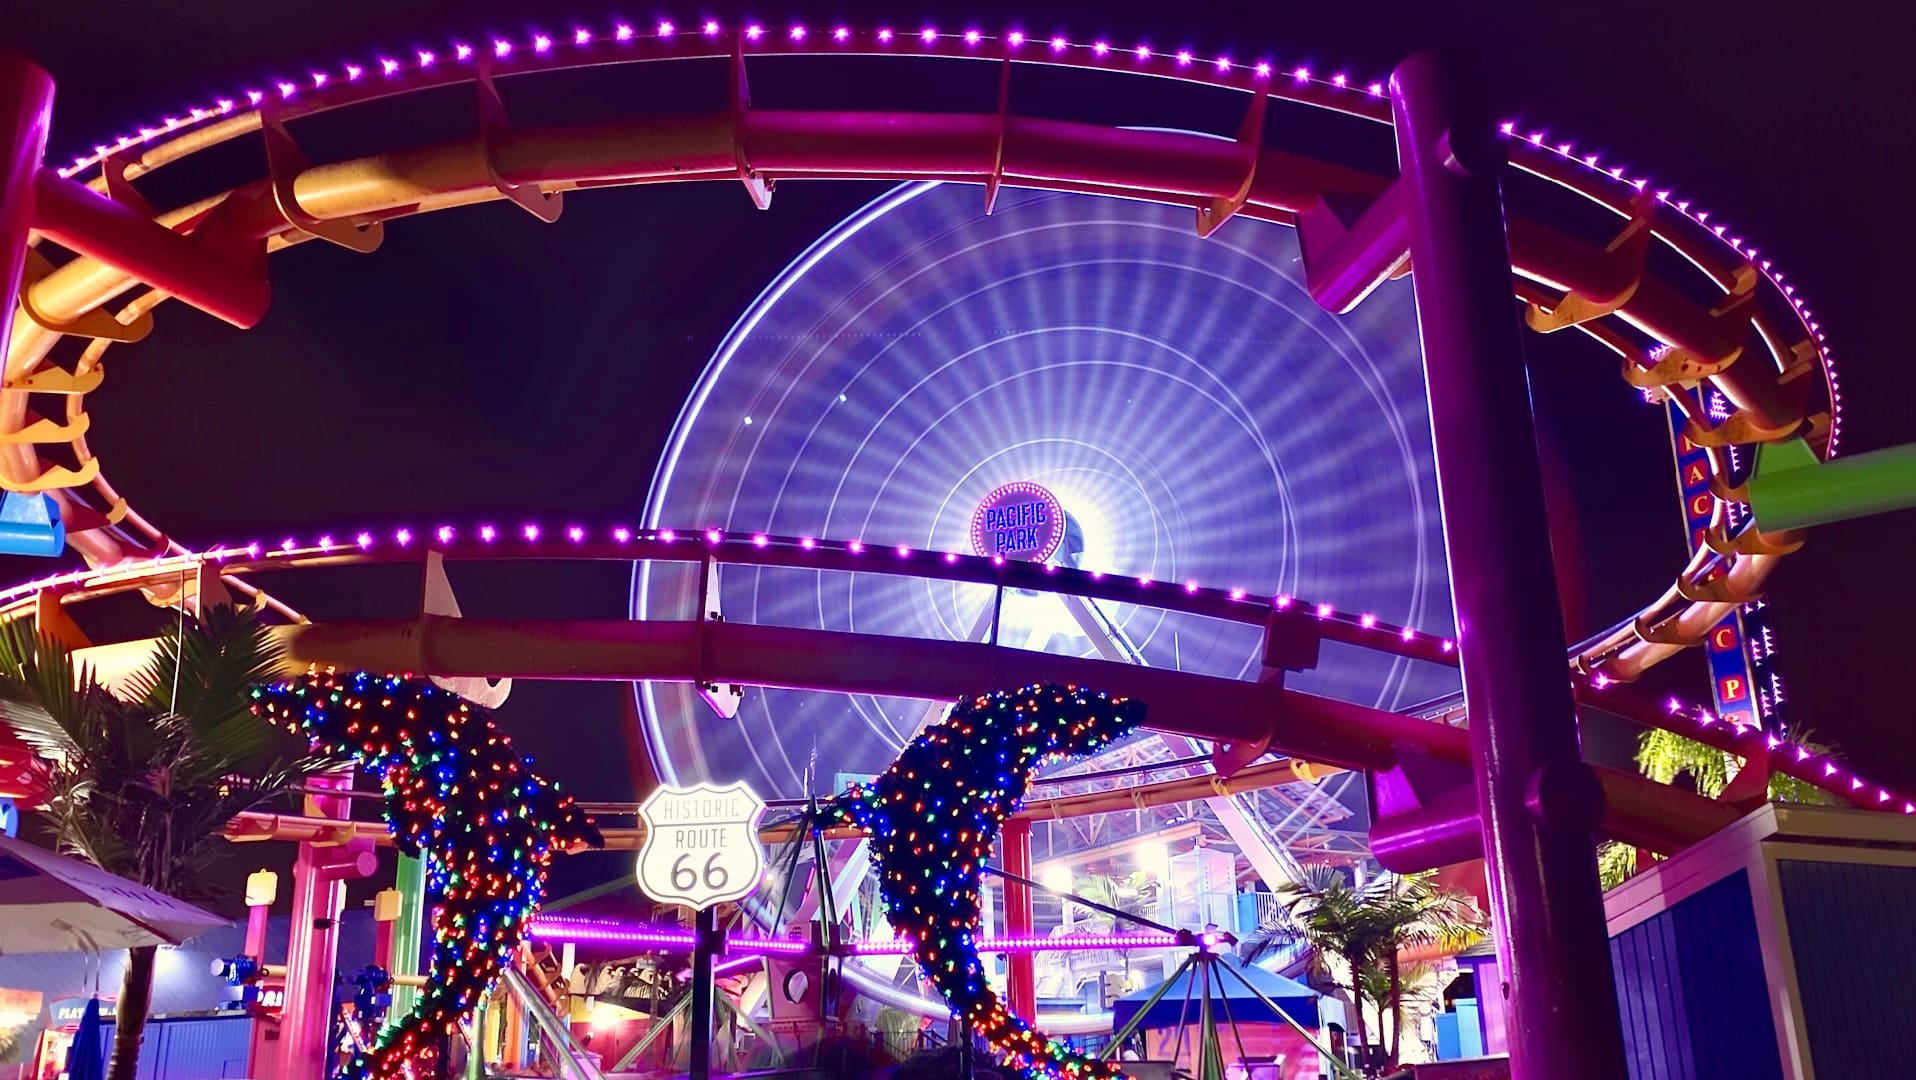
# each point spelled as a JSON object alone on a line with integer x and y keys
{"x": 460, "y": 796}
{"x": 933, "y": 817}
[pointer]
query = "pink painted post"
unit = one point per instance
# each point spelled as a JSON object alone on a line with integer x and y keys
{"x": 320, "y": 873}
{"x": 262, "y": 889}
{"x": 26, "y": 110}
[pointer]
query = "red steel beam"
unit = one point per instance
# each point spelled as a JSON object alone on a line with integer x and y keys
{"x": 76, "y": 217}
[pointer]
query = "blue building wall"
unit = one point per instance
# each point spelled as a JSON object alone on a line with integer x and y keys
{"x": 190, "y": 1048}
{"x": 1691, "y": 989}
{"x": 1853, "y": 938}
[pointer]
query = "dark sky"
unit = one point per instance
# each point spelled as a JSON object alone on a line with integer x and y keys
{"x": 484, "y": 363}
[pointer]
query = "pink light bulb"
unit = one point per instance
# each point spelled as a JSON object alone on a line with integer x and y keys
{"x": 807, "y": 543}
{"x": 621, "y": 534}
{"x": 364, "y": 540}
{"x": 1449, "y": 645}
{"x": 928, "y": 35}
{"x": 487, "y": 533}
{"x": 502, "y": 48}
{"x": 1368, "y": 621}
{"x": 325, "y": 544}
{"x": 713, "y": 536}
{"x": 903, "y": 551}
{"x": 1143, "y": 52}
{"x": 1184, "y": 58}
{"x": 463, "y": 52}
{"x": 445, "y": 534}
{"x": 885, "y": 35}
{"x": 856, "y": 547}
{"x": 319, "y": 80}
{"x": 1407, "y": 634}
{"x": 286, "y": 544}
{"x": 426, "y": 58}
{"x": 575, "y": 534}
{"x": 711, "y": 28}
{"x": 798, "y": 33}
{"x": 1058, "y": 44}
{"x": 753, "y": 33}
{"x": 1301, "y": 73}
{"x": 582, "y": 36}
{"x": 286, "y": 90}
{"x": 404, "y": 536}
{"x": 1223, "y": 63}
{"x": 1016, "y": 37}
{"x": 668, "y": 535}
{"x": 531, "y": 532}
{"x": 842, "y": 33}
{"x": 541, "y": 43}
{"x": 623, "y": 31}
{"x": 997, "y": 560}
{"x": 1324, "y": 611}
{"x": 951, "y": 557}
{"x": 1375, "y": 89}
{"x": 1144, "y": 582}
{"x": 1191, "y": 587}
{"x": 1101, "y": 48}
{"x": 1237, "y": 594}
{"x": 1341, "y": 80}
{"x": 353, "y": 72}
{"x": 972, "y": 37}
{"x": 1281, "y": 602}
{"x": 761, "y": 540}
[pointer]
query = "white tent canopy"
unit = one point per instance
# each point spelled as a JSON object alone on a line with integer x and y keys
{"x": 51, "y": 903}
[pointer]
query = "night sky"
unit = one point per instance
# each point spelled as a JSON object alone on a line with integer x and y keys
{"x": 485, "y": 364}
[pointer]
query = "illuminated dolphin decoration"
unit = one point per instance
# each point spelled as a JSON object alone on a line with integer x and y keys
{"x": 933, "y": 817}
{"x": 459, "y": 796}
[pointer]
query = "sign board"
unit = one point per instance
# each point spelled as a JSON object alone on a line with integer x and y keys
{"x": 701, "y": 844}
{"x": 1732, "y": 681}
{"x": 1018, "y": 521}
{"x": 67, "y": 1011}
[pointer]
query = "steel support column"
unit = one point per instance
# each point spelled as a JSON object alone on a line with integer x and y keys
{"x": 26, "y": 109}
{"x": 1021, "y": 983}
{"x": 1540, "y": 802}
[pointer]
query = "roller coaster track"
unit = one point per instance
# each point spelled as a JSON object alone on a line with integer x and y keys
{"x": 1261, "y": 713}
{"x": 1708, "y": 313}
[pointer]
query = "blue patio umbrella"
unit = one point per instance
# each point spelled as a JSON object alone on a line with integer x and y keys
{"x": 1298, "y": 1001}
{"x": 87, "y": 1059}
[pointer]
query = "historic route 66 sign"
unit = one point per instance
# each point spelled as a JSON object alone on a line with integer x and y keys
{"x": 701, "y": 844}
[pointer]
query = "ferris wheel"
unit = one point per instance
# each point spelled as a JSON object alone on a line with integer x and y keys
{"x": 1191, "y": 411}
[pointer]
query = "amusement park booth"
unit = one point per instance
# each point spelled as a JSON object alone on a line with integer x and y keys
{"x": 1778, "y": 948}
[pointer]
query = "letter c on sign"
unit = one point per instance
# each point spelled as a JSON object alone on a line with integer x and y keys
{"x": 1724, "y": 638}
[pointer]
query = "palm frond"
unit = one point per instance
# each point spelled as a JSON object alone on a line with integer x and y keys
{"x": 203, "y": 675}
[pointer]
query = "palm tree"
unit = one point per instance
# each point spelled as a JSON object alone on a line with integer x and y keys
{"x": 145, "y": 780}
{"x": 1413, "y": 912}
{"x": 1368, "y": 927}
{"x": 1333, "y": 919}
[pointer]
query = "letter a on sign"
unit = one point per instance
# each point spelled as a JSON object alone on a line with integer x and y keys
{"x": 701, "y": 844}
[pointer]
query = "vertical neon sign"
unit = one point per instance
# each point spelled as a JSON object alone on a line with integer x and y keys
{"x": 1733, "y": 682}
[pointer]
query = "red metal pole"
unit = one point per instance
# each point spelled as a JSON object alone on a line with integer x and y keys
{"x": 77, "y": 217}
{"x": 1540, "y": 802}
{"x": 26, "y": 109}
{"x": 1021, "y": 984}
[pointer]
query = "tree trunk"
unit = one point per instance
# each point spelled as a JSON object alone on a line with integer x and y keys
{"x": 1394, "y": 970}
{"x": 129, "y": 1024}
{"x": 1357, "y": 998}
